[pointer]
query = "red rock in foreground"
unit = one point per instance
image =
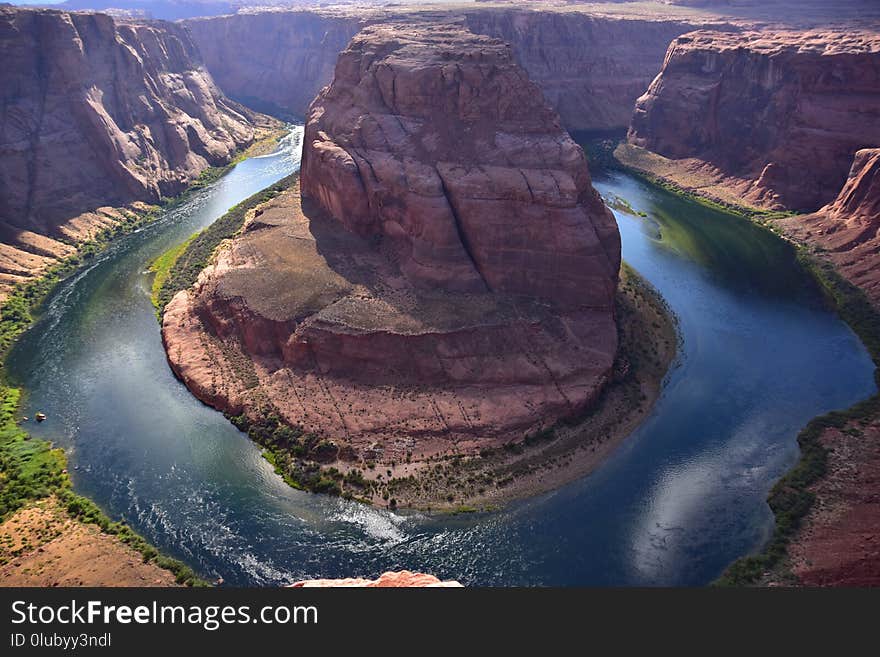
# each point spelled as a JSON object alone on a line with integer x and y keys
{"x": 399, "y": 579}
{"x": 447, "y": 282}
{"x": 773, "y": 116}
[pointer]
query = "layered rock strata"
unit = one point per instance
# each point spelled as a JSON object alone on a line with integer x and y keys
{"x": 96, "y": 113}
{"x": 446, "y": 282}
{"x": 591, "y": 67}
{"x": 773, "y": 116}
{"x": 273, "y": 61}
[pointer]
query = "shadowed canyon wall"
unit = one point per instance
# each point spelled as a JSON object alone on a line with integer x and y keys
{"x": 275, "y": 62}
{"x": 590, "y": 68}
{"x": 848, "y": 228}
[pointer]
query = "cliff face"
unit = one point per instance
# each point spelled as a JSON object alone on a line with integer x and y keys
{"x": 447, "y": 281}
{"x": 591, "y": 69}
{"x": 398, "y": 579}
{"x": 459, "y": 164}
{"x": 97, "y": 112}
{"x": 779, "y": 115}
{"x": 274, "y": 61}
{"x": 849, "y": 227}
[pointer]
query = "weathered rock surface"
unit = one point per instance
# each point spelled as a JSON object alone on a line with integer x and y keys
{"x": 274, "y": 61}
{"x": 838, "y": 543}
{"x": 774, "y": 116}
{"x": 399, "y": 579}
{"x": 446, "y": 284}
{"x": 849, "y": 227}
{"x": 443, "y": 146}
{"x": 97, "y": 112}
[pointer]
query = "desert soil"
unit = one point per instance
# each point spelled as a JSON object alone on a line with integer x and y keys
{"x": 41, "y": 545}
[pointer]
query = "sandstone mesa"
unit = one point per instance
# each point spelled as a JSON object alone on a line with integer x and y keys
{"x": 446, "y": 283}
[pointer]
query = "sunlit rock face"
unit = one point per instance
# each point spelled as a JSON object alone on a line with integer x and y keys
{"x": 399, "y": 579}
{"x": 100, "y": 112}
{"x": 780, "y": 114}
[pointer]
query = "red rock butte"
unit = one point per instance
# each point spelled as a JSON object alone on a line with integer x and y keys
{"x": 446, "y": 280}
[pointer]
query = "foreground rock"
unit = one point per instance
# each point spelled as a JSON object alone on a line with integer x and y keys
{"x": 399, "y": 579}
{"x": 769, "y": 119}
{"x": 98, "y": 113}
{"x": 446, "y": 285}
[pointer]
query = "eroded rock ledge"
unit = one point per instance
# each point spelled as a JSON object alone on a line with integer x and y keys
{"x": 444, "y": 283}
{"x": 391, "y": 579}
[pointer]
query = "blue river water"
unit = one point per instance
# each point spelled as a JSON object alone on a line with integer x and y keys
{"x": 682, "y": 497}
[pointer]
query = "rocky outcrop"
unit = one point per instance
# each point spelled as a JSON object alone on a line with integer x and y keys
{"x": 591, "y": 68}
{"x": 274, "y": 61}
{"x": 447, "y": 282}
{"x": 774, "y": 116}
{"x": 848, "y": 229}
{"x": 399, "y": 579}
{"x": 458, "y": 163}
{"x": 97, "y": 113}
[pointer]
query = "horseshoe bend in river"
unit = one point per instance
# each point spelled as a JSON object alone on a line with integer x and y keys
{"x": 680, "y": 499}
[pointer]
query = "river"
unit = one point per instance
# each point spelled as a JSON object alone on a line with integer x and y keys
{"x": 681, "y": 498}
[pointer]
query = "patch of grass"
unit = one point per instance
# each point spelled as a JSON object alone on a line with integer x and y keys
{"x": 29, "y": 469}
{"x": 188, "y": 264}
{"x": 161, "y": 268}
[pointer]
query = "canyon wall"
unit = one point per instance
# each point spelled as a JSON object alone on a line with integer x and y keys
{"x": 590, "y": 68}
{"x": 275, "y": 62}
{"x": 446, "y": 280}
{"x": 848, "y": 228}
{"x": 775, "y": 116}
{"x": 95, "y": 112}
